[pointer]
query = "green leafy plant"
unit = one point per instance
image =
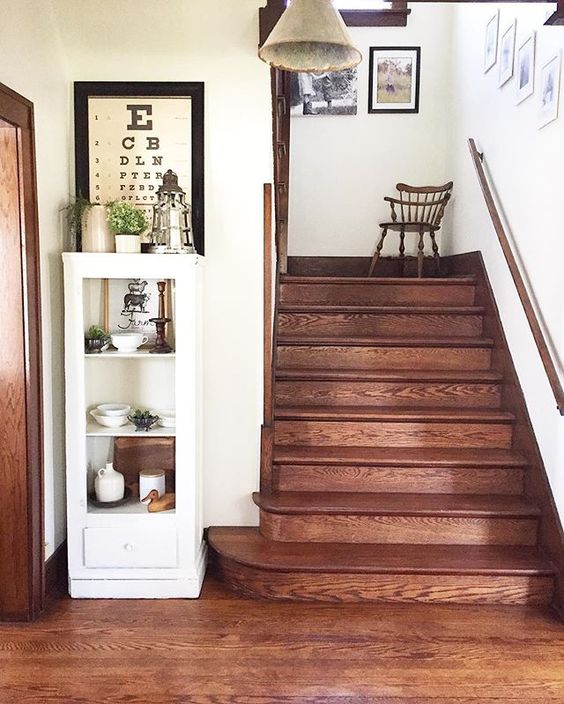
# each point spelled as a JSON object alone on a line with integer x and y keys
{"x": 138, "y": 414}
{"x": 126, "y": 219}
{"x": 75, "y": 211}
{"x": 95, "y": 332}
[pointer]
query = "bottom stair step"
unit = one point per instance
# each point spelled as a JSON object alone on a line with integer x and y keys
{"x": 335, "y": 572}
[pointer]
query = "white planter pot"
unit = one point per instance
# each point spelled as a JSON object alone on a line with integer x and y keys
{"x": 128, "y": 244}
{"x": 96, "y": 235}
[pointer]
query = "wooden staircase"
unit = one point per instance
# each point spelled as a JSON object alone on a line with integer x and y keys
{"x": 393, "y": 473}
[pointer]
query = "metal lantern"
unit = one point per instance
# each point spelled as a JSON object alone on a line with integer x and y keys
{"x": 310, "y": 37}
{"x": 171, "y": 233}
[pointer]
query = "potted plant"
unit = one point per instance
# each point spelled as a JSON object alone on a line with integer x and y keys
{"x": 88, "y": 226}
{"x": 96, "y": 339}
{"x": 127, "y": 222}
{"x": 142, "y": 420}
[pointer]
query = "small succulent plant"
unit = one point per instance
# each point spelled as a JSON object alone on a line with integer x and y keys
{"x": 95, "y": 332}
{"x": 142, "y": 420}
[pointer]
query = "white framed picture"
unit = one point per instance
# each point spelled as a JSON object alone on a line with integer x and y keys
{"x": 490, "y": 42}
{"x": 507, "y": 54}
{"x": 526, "y": 68}
{"x": 549, "y": 89}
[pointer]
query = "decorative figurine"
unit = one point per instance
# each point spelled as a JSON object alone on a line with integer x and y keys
{"x": 161, "y": 346}
{"x": 171, "y": 232}
{"x": 159, "y": 503}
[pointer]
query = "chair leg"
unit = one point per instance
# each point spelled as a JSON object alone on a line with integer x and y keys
{"x": 420, "y": 255}
{"x": 376, "y": 255}
{"x": 402, "y": 252}
{"x": 436, "y": 254}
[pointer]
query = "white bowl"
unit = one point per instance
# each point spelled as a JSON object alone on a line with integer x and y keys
{"x": 167, "y": 418}
{"x": 113, "y": 409}
{"x": 109, "y": 421}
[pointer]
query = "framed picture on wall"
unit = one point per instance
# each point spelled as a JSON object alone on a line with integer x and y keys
{"x": 526, "y": 68}
{"x": 393, "y": 80}
{"x": 330, "y": 93}
{"x": 549, "y": 90}
{"x": 490, "y": 42}
{"x": 127, "y": 135}
{"x": 507, "y": 54}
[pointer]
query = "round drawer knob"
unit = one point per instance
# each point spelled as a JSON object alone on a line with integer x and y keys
{"x": 128, "y": 547}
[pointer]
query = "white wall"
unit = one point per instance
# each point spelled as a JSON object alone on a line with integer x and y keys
{"x": 216, "y": 42}
{"x": 33, "y": 65}
{"x": 526, "y": 166}
{"x": 341, "y": 167}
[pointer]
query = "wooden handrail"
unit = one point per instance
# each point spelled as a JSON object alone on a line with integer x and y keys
{"x": 544, "y": 351}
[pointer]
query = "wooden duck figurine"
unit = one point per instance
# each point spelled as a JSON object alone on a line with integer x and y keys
{"x": 159, "y": 503}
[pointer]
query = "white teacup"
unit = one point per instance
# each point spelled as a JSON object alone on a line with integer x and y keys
{"x": 128, "y": 341}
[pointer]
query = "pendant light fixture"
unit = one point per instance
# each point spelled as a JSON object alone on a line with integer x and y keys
{"x": 310, "y": 37}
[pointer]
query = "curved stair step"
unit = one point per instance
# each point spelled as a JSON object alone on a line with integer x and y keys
{"x": 302, "y": 571}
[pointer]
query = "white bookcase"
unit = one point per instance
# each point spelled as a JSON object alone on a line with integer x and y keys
{"x": 126, "y": 552}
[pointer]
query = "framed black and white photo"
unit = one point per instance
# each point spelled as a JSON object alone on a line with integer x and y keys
{"x": 549, "y": 90}
{"x": 490, "y": 42}
{"x": 393, "y": 80}
{"x": 526, "y": 68}
{"x": 330, "y": 93}
{"x": 127, "y": 135}
{"x": 506, "y": 54}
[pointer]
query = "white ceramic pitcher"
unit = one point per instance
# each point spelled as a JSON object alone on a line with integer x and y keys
{"x": 109, "y": 485}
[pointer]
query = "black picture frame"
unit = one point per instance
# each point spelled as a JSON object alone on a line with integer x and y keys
{"x": 416, "y": 50}
{"x": 83, "y": 90}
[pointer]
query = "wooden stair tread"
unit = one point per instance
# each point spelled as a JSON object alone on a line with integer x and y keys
{"x": 391, "y": 375}
{"x": 407, "y": 281}
{"x": 395, "y": 310}
{"x": 389, "y": 504}
{"x": 300, "y": 340}
{"x": 246, "y": 546}
{"x": 398, "y": 456}
{"x": 393, "y": 413}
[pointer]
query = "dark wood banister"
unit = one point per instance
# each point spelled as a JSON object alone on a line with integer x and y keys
{"x": 271, "y": 287}
{"x": 544, "y": 351}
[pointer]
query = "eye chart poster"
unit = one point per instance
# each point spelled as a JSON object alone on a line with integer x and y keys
{"x": 133, "y": 142}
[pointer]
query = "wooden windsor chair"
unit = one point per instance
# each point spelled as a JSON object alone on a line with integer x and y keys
{"x": 421, "y": 210}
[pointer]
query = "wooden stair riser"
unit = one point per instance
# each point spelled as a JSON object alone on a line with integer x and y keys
{"x": 393, "y": 434}
{"x": 351, "y": 357}
{"x": 406, "y": 394}
{"x": 343, "y": 294}
{"x": 399, "y": 588}
{"x": 398, "y": 529}
{"x": 322, "y": 324}
{"x": 417, "y": 480}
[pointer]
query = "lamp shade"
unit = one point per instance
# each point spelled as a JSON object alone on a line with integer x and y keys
{"x": 310, "y": 37}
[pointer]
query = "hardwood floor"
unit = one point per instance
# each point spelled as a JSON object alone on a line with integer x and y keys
{"x": 226, "y": 649}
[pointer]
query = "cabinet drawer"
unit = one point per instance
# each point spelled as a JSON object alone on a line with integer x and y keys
{"x": 127, "y": 547}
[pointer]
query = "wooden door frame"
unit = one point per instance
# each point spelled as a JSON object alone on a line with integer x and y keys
{"x": 24, "y": 530}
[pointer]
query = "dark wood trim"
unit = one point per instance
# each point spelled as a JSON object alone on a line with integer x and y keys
{"x": 537, "y": 486}
{"x": 268, "y": 302}
{"x": 56, "y": 573}
{"x": 195, "y": 90}
{"x": 22, "y": 531}
{"x": 394, "y": 16}
{"x": 557, "y": 17}
{"x": 543, "y": 349}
